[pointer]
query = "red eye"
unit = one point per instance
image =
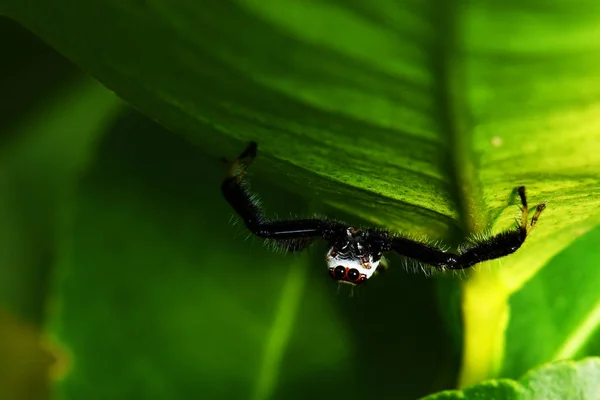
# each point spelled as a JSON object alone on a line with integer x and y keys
{"x": 353, "y": 275}
{"x": 339, "y": 272}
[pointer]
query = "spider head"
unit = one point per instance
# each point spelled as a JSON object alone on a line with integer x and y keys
{"x": 351, "y": 271}
{"x": 352, "y": 259}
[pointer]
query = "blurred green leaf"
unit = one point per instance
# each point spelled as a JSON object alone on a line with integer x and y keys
{"x": 50, "y": 117}
{"x": 39, "y": 169}
{"x": 557, "y": 381}
{"x": 419, "y": 116}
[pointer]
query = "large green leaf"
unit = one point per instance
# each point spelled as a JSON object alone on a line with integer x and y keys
{"x": 557, "y": 381}
{"x": 420, "y": 116}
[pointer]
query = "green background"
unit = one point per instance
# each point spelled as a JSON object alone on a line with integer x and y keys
{"x": 119, "y": 249}
{"x": 148, "y": 288}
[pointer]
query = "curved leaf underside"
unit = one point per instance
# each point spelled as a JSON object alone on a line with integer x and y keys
{"x": 415, "y": 115}
{"x": 412, "y": 103}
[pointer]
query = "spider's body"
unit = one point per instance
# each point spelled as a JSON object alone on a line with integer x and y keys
{"x": 354, "y": 254}
{"x": 353, "y": 257}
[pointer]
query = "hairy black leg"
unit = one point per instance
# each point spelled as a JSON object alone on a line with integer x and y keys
{"x": 497, "y": 246}
{"x": 504, "y": 243}
{"x": 423, "y": 253}
{"x": 293, "y": 235}
{"x": 412, "y": 249}
{"x": 243, "y": 202}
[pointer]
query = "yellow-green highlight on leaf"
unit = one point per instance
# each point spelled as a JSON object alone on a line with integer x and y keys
{"x": 486, "y": 309}
{"x": 485, "y": 316}
{"x": 577, "y": 339}
{"x": 283, "y": 325}
{"x": 486, "y": 296}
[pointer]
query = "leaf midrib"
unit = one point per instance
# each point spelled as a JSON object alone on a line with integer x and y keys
{"x": 450, "y": 86}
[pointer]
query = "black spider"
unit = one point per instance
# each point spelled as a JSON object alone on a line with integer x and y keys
{"x": 354, "y": 254}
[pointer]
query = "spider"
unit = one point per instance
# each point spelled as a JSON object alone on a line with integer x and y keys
{"x": 354, "y": 254}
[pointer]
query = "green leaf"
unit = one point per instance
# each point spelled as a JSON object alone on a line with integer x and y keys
{"x": 557, "y": 381}
{"x": 411, "y": 116}
{"x": 420, "y": 117}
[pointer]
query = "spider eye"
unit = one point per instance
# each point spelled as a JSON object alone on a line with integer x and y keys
{"x": 339, "y": 272}
{"x": 353, "y": 274}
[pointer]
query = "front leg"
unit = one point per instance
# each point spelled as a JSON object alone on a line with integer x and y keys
{"x": 504, "y": 243}
{"x": 425, "y": 253}
{"x": 497, "y": 246}
{"x": 292, "y": 235}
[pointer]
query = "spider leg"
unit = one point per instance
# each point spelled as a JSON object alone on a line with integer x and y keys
{"x": 497, "y": 246}
{"x": 291, "y": 235}
{"x": 504, "y": 243}
{"x": 424, "y": 253}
